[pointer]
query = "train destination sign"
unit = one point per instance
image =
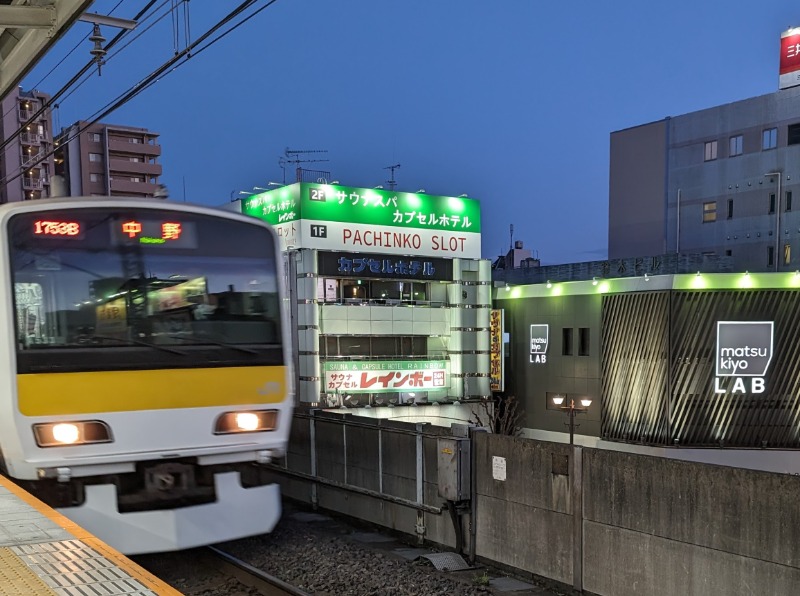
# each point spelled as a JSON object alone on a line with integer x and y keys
{"x": 343, "y": 218}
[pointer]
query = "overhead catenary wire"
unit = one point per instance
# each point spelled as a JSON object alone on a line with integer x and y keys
{"x": 53, "y": 98}
{"x": 165, "y": 69}
{"x": 60, "y": 62}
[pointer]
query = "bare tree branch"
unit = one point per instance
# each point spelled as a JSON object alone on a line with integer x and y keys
{"x": 501, "y": 415}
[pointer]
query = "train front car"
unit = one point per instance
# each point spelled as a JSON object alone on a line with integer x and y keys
{"x": 146, "y": 373}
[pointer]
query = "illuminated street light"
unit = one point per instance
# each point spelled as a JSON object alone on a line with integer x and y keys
{"x": 572, "y": 410}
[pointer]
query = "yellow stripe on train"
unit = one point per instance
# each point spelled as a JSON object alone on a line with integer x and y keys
{"x": 129, "y": 390}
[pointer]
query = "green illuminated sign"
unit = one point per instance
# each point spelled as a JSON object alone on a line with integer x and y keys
{"x": 325, "y": 202}
{"x": 275, "y": 206}
{"x": 333, "y": 217}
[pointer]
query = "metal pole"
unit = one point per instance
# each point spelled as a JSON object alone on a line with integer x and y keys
{"x": 678, "y": 231}
{"x": 778, "y": 222}
{"x": 312, "y": 436}
{"x": 420, "y": 494}
{"x": 380, "y": 461}
{"x": 572, "y": 424}
{"x": 777, "y": 217}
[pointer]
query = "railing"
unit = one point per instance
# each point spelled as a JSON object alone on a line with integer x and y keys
{"x": 440, "y": 355}
{"x": 31, "y": 159}
{"x": 384, "y": 436}
{"x": 384, "y": 302}
{"x": 25, "y": 115}
{"x": 30, "y": 138}
{"x": 31, "y": 183}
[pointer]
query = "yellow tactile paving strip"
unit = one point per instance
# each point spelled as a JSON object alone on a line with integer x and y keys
{"x": 117, "y": 558}
{"x": 17, "y": 578}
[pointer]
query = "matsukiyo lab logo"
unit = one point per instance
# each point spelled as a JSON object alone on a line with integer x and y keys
{"x": 744, "y": 349}
{"x": 540, "y": 336}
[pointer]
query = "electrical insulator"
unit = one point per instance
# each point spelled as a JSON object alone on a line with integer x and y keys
{"x": 97, "y": 51}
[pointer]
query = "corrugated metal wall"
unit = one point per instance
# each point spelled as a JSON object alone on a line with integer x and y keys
{"x": 663, "y": 344}
{"x": 635, "y": 346}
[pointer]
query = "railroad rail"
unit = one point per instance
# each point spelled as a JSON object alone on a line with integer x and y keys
{"x": 251, "y": 576}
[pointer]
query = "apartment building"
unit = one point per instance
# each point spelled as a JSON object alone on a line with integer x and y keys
{"x": 27, "y": 131}
{"x": 108, "y": 159}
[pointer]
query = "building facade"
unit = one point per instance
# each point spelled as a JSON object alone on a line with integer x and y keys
{"x": 110, "y": 160}
{"x": 721, "y": 181}
{"x": 389, "y": 297}
{"x": 25, "y": 166}
{"x": 692, "y": 360}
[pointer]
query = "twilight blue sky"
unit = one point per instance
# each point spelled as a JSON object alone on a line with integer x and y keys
{"x": 509, "y": 101}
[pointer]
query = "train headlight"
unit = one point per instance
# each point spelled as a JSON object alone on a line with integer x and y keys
{"x": 66, "y": 433}
{"x": 246, "y": 422}
{"x": 62, "y": 434}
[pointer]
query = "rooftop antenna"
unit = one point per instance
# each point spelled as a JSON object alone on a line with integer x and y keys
{"x": 391, "y": 182}
{"x": 298, "y": 156}
{"x": 511, "y": 246}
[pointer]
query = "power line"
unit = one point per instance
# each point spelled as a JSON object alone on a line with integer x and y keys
{"x": 46, "y": 105}
{"x": 165, "y": 69}
{"x": 60, "y": 62}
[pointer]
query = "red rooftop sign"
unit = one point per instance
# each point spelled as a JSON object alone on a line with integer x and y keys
{"x": 790, "y": 58}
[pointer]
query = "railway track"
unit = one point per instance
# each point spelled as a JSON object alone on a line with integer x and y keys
{"x": 250, "y": 576}
{"x": 210, "y": 571}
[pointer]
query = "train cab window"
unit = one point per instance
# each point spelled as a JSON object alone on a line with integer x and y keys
{"x": 142, "y": 290}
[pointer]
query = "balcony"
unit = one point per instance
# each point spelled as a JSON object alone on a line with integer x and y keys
{"x": 115, "y": 145}
{"x": 134, "y": 167}
{"x": 25, "y": 115}
{"x": 31, "y": 159}
{"x": 122, "y": 186}
{"x": 29, "y": 183}
{"x": 30, "y": 138}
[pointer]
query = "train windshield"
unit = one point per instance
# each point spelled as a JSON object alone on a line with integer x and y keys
{"x": 102, "y": 289}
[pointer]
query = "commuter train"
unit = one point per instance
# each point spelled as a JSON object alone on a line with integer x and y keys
{"x": 146, "y": 368}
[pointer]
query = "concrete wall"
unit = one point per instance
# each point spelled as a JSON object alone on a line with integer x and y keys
{"x": 609, "y": 522}
{"x": 659, "y": 526}
{"x": 636, "y": 188}
{"x": 525, "y": 520}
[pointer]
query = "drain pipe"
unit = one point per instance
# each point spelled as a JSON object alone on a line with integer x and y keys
{"x": 473, "y": 491}
{"x": 455, "y": 517}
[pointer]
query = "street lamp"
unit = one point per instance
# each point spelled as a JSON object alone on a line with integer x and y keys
{"x": 571, "y": 409}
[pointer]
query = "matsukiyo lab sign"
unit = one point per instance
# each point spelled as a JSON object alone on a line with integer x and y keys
{"x": 540, "y": 337}
{"x": 341, "y": 218}
{"x": 743, "y": 354}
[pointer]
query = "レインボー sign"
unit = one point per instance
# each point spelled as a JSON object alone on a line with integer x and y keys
{"x": 384, "y": 376}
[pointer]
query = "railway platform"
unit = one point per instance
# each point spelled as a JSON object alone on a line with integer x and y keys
{"x": 43, "y": 552}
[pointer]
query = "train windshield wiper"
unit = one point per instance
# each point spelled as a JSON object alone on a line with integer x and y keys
{"x": 139, "y": 342}
{"x": 208, "y": 340}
